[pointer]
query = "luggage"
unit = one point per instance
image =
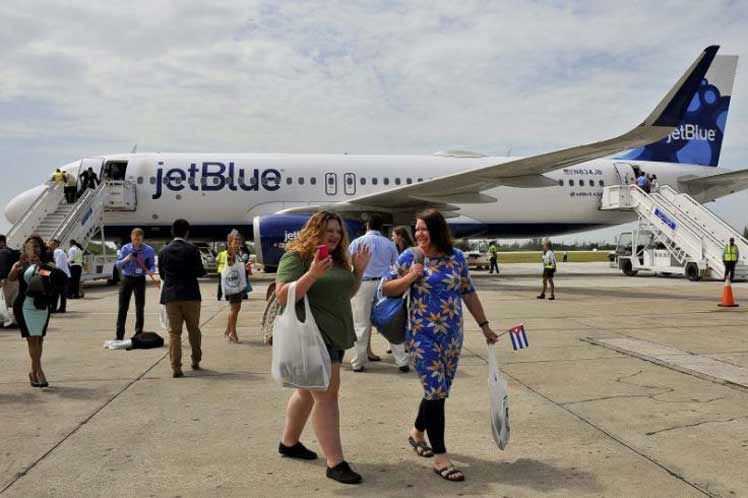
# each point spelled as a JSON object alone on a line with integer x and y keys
{"x": 300, "y": 357}
{"x": 147, "y": 340}
{"x": 499, "y": 397}
{"x": 390, "y": 315}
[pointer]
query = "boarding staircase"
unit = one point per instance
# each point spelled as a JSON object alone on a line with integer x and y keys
{"x": 687, "y": 229}
{"x": 51, "y": 217}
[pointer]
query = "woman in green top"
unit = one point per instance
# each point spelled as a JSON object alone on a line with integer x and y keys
{"x": 329, "y": 283}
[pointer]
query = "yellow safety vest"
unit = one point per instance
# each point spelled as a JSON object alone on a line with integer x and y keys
{"x": 731, "y": 253}
{"x": 221, "y": 261}
{"x": 58, "y": 177}
{"x": 549, "y": 261}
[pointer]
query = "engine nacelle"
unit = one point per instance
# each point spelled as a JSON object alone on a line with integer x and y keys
{"x": 273, "y": 232}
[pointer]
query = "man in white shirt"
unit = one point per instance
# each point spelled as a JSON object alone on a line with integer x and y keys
{"x": 549, "y": 269}
{"x": 61, "y": 262}
{"x": 383, "y": 255}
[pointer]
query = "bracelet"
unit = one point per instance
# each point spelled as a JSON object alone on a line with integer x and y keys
{"x": 483, "y": 324}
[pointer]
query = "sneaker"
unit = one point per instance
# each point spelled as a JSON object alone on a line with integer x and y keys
{"x": 359, "y": 369}
{"x": 296, "y": 451}
{"x": 343, "y": 473}
{"x": 542, "y": 296}
{"x": 196, "y": 366}
{"x": 404, "y": 369}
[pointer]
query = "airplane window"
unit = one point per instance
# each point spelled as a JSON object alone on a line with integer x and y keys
{"x": 301, "y": 180}
{"x": 561, "y": 183}
{"x": 363, "y": 181}
{"x": 191, "y": 181}
{"x": 289, "y": 180}
{"x": 374, "y": 181}
{"x": 420, "y": 179}
{"x": 330, "y": 181}
{"x": 253, "y": 181}
{"x": 581, "y": 183}
{"x": 313, "y": 180}
{"x": 152, "y": 180}
{"x": 397, "y": 181}
{"x": 140, "y": 180}
{"x": 602, "y": 183}
{"x": 386, "y": 181}
{"x": 408, "y": 181}
{"x": 571, "y": 183}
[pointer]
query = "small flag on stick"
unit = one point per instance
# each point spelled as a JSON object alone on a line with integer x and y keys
{"x": 518, "y": 337}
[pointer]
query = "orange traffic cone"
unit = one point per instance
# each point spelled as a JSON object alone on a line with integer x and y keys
{"x": 728, "y": 301}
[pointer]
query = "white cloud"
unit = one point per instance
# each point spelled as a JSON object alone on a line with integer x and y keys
{"x": 85, "y": 78}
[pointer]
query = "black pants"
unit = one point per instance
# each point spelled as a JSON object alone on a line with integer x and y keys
{"x": 730, "y": 270}
{"x": 494, "y": 264}
{"x": 127, "y": 286}
{"x": 70, "y": 194}
{"x": 431, "y": 419}
{"x": 60, "y": 299}
{"x": 75, "y": 281}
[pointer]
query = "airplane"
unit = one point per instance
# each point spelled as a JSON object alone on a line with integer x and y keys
{"x": 269, "y": 197}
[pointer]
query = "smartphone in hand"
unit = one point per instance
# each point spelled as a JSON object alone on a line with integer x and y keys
{"x": 322, "y": 252}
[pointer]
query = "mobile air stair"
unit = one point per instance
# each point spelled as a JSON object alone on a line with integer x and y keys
{"x": 675, "y": 234}
{"x": 51, "y": 217}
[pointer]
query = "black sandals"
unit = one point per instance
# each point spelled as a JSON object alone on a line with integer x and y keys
{"x": 450, "y": 473}
{"x": 421, "y": 448}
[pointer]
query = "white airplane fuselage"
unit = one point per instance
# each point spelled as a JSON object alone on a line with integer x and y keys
{"x": 219, "y": 191}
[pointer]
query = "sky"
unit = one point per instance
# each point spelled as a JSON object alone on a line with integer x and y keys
{"x": 83, "y": 78}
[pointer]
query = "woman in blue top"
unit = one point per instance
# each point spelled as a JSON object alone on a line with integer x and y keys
{"x": 437, "y": 275}
{"x": 32, "y": 318}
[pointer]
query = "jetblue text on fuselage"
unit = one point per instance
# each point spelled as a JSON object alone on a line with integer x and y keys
{"x": 215, "y": 176}
{"x": 692, "y": 132}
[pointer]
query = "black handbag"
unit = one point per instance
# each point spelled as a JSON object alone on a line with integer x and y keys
{"x": 147, "y": 340}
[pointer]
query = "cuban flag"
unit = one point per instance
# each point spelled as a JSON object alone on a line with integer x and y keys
{"x": 518, "y": 337}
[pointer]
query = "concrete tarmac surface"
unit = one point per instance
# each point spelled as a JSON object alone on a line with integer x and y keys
{"x": 586, "y": 420}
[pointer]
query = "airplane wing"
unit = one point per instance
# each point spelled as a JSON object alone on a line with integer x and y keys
{"x": 708, "y": 188}
{"x": 466, "y": 187}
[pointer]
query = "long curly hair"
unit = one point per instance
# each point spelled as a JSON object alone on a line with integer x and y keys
{"x": 312, "y": 235}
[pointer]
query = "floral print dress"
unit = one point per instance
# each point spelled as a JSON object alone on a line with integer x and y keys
{"x": 434, "y": 336}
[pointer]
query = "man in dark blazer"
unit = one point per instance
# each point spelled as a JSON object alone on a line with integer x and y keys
{"x": 180, "y": 265}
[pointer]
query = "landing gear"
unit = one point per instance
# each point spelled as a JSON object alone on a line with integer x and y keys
{"x": 628, "y": 268}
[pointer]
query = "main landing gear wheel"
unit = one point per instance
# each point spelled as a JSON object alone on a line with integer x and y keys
{"x": 628, "y": 269}
{"x": 692, "y": 272}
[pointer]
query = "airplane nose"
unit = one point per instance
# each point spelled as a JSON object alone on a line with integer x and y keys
{"x": 21, "y": 203}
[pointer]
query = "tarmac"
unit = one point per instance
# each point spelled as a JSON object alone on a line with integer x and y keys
{"x": 602, "y": 402}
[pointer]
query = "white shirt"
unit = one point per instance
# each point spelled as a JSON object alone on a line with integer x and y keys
{"x": 61, "y": 261}
{"x": 72, "y": 254}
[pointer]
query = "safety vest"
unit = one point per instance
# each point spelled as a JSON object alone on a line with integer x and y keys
{"x": 58, "y": 177}
{"x": 492, "y": 251}
{"x": 549, "y": 260}
{"x": 221, "y": 261}
{"x": 76, "y": 257}
{"x": 731, "y": 253}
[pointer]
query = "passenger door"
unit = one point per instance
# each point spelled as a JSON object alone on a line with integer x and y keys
{"x": 349, "y": 183}
{"x": 331, "y": 183}
{"x": 626, "y": 173}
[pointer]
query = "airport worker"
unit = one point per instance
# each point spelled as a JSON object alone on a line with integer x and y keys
{"x": 180, "y": 265}
{"x": 58, "y": 177}
{"x": 61, "y": 262}
{"x": 71, "y": 188}
{"x": 234, "y": 273}
{"x": 566, "y": 257}
{"x": 549, "y": 269}
{"x": 8, "y": 258}
{"x": 220, "y": 265}
{"x": 35, "y": 274}
{"x": 75, "y": 257}
{"x": 730, "y": 257}
{"x": 384, "y": 255}
{"x": 135, "y": 261}
{"x": 402, "y": 239}
{"x": 319, "y": 263}
{"x": 438, "y": 277}
{"x": 493, "y": 258}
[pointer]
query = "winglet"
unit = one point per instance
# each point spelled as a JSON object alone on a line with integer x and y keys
{"x": 671, "y": 109}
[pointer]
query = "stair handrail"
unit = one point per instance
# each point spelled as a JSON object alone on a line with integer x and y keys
{"x": 697, "y": 205}
{"x": 89, "y": 198}
{"x": 30, "y": 212}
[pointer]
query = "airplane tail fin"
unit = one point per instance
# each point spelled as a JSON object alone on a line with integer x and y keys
{"x": 698, "y": 137}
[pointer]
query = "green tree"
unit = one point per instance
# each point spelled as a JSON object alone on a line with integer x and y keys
{"x": 745, "y": 232}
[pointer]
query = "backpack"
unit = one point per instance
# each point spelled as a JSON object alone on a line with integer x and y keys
{"x": 147, "y": 340}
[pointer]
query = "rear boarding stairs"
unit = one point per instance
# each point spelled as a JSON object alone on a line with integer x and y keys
{"x": 692, "y": 235}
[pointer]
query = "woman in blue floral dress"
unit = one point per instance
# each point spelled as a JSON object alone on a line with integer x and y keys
{"x": 438, "y": 277}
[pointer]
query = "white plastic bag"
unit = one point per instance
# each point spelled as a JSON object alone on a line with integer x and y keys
{"x": 4, "y": 313}
{"x": 163, "y": 317}
{"x": 300, "y": 357}
{"x": 115, "y": 344}
{"x": 234, "y": 278}
{"x": 499, "y": 397}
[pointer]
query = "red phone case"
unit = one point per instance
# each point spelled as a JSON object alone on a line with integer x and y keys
{"x": 322, "y": 251}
